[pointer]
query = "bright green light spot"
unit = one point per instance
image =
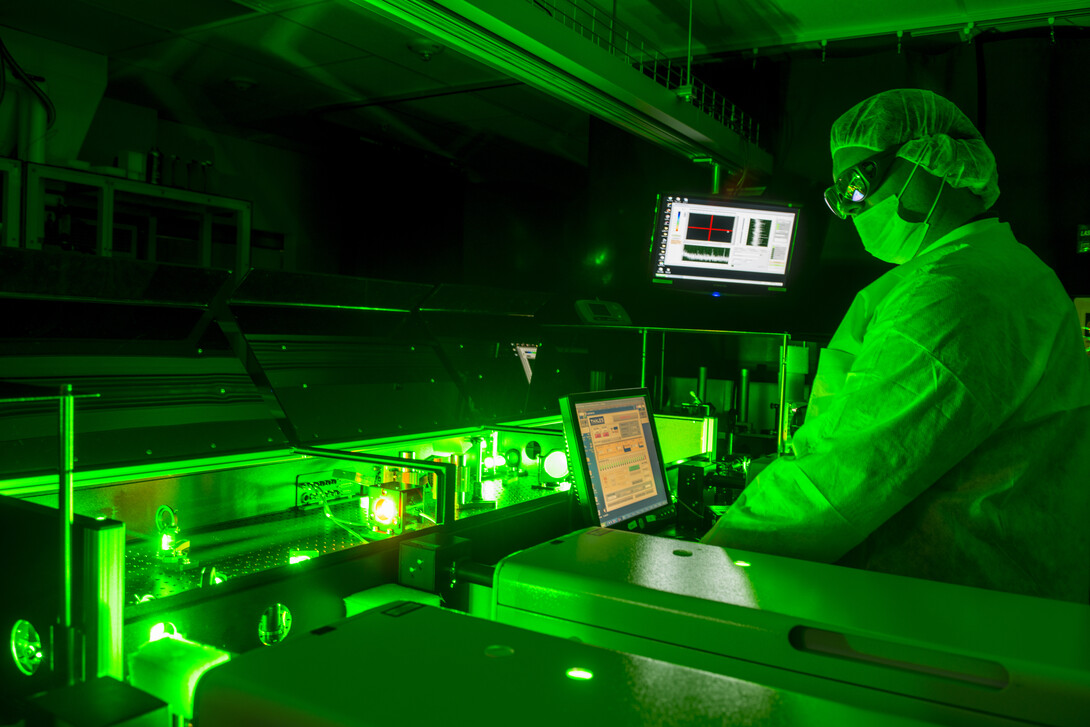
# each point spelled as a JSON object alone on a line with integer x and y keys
{"x": 166, "y": 541}
{"x": 564, "y": 486}
{"x": 364, "y": 502}
{"x": 491, "y": 489}
{"x": 100, "y": 517}
{"x": 581, "y": 674}
{"x": 298, "y": 558}
{"x": 162, "y": 631}
{"x": 741, "y": 563}
{"x": 385, "y": 510}
{"x": 601, "y": 257}
{"x": 556, "y": 464}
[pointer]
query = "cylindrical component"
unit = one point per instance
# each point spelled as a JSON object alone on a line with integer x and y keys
{"x": 743, "y": 398}
{"x": 702, "y": 384}
{"x": 66, "y": 650}
{"x": 467, "y": 570}
{"x": 408, "y": 476}
{"x": 136, "y": 165}
{"x": 461, "y": 481}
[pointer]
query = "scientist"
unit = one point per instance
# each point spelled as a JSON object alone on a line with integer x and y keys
{"x": 948, "y": 432}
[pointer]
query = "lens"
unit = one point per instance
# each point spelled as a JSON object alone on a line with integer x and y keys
{"x": 832, "y": 199}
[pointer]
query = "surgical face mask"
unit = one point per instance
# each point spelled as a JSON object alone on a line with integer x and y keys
{"x": 886, "y": 235}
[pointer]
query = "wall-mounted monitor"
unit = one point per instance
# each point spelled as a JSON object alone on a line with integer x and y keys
{"x": 716, "y": 246}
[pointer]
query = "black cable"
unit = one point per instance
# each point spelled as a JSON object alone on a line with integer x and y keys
{"x": 50, "y": 109}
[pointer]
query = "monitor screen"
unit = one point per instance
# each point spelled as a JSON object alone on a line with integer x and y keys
{"x": 711, "y": 245}
{"x": 612, "y": 441}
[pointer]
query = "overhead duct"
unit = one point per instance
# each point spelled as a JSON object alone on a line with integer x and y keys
{"x": 75, "y": 81}
{"x": 520, "y": 38}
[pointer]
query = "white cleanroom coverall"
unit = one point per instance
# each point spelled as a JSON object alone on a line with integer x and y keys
{"x": 948, "y": 432}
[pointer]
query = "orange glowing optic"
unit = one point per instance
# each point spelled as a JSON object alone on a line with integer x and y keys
{"x": 385, "y": 510}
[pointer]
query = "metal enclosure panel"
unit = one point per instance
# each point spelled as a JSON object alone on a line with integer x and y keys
{"x": 522, "y": 677}
{"x": 812, "y": 622}
{"x": 27, "y": 535}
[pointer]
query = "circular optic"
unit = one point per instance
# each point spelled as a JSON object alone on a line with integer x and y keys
{"x": 274, "y": 625}
{"x": 26, "y": 647}
{"x": 556, "y": 463}
{"x": 385, "y": 510}
{"x": 166, "y": 519}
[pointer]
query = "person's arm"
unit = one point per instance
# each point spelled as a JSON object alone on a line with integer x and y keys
{"x": 901, "y": 421}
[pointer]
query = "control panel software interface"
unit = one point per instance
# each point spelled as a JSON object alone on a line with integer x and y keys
{"x": 622, "y": 463}
{"x": 706, "y": 242}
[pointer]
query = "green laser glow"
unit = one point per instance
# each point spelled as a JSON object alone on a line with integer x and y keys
{"x": 741, "y": 563}
{"x": 580, "y": 674}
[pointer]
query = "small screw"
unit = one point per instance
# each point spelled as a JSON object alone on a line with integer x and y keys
{"x": 283, "y": 348}
{"x": 213, "y": 445}
{"x": 304, "y": 386}
{"x": 200, "y": 350}
{"x": 148, "y": 452}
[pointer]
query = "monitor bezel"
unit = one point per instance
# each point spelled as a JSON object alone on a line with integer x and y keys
{"x": 708, "y": 287}
{"x": 577, "y": 455}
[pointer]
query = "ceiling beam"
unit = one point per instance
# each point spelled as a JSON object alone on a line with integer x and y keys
{"x": 519, "y": 39}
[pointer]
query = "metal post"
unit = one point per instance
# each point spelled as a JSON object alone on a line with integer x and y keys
{"x": 783, "y": 428}
{"x": 64, "y": 637}
{"x": 64, "y": 646}
{"x": 612, "y": 24}
{"x": 743, "y": 398}
{"x": 662, "y": 373}
{"x": 643, "y": 359}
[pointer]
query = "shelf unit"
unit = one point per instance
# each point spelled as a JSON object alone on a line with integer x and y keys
{"x": 113, "y": 216}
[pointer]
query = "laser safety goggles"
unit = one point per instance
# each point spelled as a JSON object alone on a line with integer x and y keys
{"x": 857, "y": 182}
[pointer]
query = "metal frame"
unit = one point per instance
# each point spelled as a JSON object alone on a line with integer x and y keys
{"x": 444, "y": 474}
{"x": 37, "y": 174}
{"x": 11, "y": 204}
{"x": 782, "y": 427}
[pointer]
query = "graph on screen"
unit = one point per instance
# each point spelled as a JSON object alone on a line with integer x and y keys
{"x": 705, "y": 254}
{"x": 710, "y": 228}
